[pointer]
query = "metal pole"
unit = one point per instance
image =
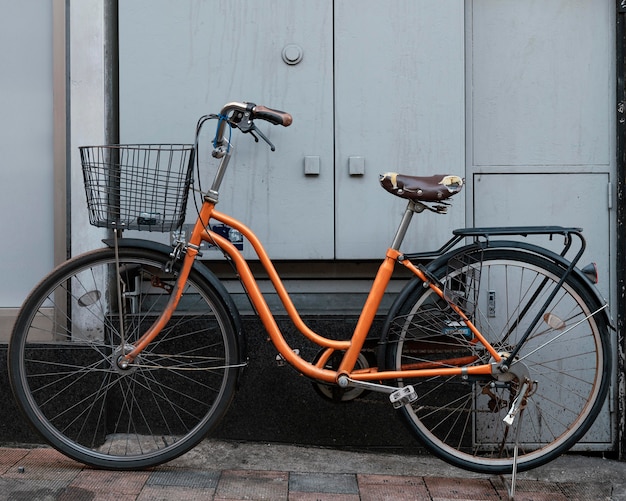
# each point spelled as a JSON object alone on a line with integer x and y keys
{"x": 620, "y": 68}
{"x": 60, "y": 95}
{"x": 111, "y": 72}
{"x": 60, "y": 107}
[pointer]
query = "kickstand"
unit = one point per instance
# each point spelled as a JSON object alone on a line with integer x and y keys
{"x": 511, "y": 487}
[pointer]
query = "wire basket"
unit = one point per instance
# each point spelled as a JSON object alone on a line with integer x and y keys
{"x": 137, "y": 186}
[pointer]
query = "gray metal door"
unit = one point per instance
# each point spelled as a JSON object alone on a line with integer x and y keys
{"x": 378, "y": 94}
{"x": 399, "y": 106}
{"x": 26, "y": 175}
{"x": 180, "y": 60}
{"x": 540, "y": 143}
{"x": 516, "y": 94}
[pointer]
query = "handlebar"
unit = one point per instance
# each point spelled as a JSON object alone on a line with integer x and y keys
{"x": 242, "y": 116}
{"x": 276, "y": 117}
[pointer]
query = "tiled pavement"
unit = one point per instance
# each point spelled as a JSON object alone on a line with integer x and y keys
{"x": 44, "y": 474}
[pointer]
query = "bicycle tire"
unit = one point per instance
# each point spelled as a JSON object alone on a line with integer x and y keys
{"x": 460, "y": 420}
{"x": 66, "y": 341}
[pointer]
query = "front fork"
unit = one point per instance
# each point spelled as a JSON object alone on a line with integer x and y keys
{"x": 175, "y": 294}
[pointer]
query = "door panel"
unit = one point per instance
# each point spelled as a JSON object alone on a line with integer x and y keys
{"x": 181, "y": 60}
{"x": 26, "y": 176}
{"x": 538, "y": 80}
{"x": 539, "y": 86}
{"x": 553, "y": 199}
{"x": 549, "y": 200}
{"x": 399, "y": 107}
{"x": 540, "y": 147}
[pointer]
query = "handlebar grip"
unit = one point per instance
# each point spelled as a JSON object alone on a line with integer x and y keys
{"x": 276, "y": 117}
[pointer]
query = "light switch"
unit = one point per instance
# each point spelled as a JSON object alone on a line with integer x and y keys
{"x": 356, "y": 166}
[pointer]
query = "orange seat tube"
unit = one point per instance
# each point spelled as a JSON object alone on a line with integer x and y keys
{"x": 369, "y": 311}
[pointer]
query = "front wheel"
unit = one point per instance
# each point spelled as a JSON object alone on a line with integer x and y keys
{"x": 70, "y": 335}
{"x": 460, "y": 419}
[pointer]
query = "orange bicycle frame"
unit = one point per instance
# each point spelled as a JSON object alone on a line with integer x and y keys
{"x": 351, "y": 348}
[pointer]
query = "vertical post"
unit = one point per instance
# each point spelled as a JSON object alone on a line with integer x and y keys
{"x": 60, "y": 100}
{"x": 111, "y": 72}
{"x": 61, "y": 175}
{"x": 620, "y": 68}
{"x": 111, "y": 156}
{"x": 111, "y": 104}
{"x": 404, "y": 225}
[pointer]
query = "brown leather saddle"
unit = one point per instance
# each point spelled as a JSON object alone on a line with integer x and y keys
{"x": 422, "y": 188}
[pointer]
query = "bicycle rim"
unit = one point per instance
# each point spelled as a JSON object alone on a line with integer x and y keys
{"x": 567, "y": 354}
{"x": 66, "y": 344}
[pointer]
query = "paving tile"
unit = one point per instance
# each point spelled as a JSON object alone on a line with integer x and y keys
{"x": 532, "y": 490}
{"x": 583, "y": 492}
{"x": 538, "y": 496}
{"x": 322, "y": 496}
{"x": 81, "y": 494}
{"x": 116, "y": 483}
{"x": 460, "y": 488}
{"x": 391, "y": 488}
{"x": 49, "y": 455}
{"x": 199, "y": 479}
{"x": 12, "y": 489}
{"x": 175, "y": 493}
{"x": 45, "y": 464}
{"x": 367, "y": 479}
{"x": 252, "y": 484}
{"x": 336, "y": 483}
{"x": 9, "y": 458}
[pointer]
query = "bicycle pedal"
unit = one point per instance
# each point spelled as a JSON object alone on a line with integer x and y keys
{"x": 403, "y": 396}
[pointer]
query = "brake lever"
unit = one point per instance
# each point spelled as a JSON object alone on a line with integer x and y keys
{"x": 253, "y": 129}
{"x": 242, "y": 122}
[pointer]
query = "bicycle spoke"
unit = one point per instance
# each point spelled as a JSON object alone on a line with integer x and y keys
{"x": 67, "y": 345}
{"x": 461, "y": 419}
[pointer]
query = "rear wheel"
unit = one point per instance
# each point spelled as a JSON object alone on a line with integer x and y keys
{"x": 567, "y": 356}
{"x": 65, "y": 347}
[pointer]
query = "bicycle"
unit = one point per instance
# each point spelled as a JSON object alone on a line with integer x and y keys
{"x": 496, "y": 353}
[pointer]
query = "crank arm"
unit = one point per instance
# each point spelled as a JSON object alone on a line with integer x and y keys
{"x": 346, "y": 382}
{"x": 398, "y": 396}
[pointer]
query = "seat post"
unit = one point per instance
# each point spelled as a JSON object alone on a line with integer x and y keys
{"x": 411, "y": 208}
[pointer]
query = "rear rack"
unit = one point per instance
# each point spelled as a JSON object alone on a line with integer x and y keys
{"x": 486, "y": 232}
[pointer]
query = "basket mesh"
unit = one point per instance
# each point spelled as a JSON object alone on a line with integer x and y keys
{"x": 137, "y": 187}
